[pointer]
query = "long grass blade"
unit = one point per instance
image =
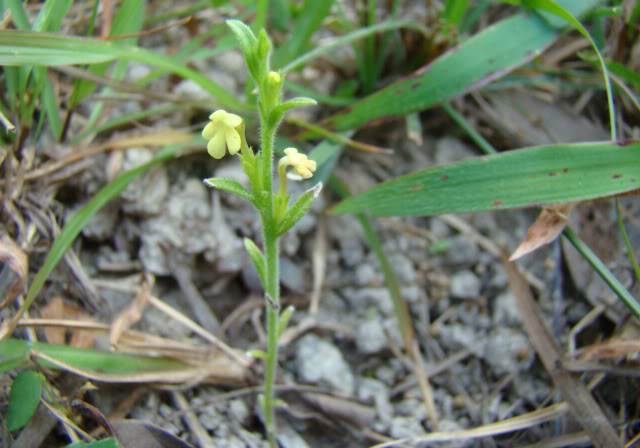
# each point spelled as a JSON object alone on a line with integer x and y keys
{"x": 525, "y": 177}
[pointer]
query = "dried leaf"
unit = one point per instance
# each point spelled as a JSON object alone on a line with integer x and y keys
{"x": 612, "y": 348}
{"x": 13, "y": 271}
{"x": 132, "y": 313}
{"x": 59, "y": 309}
{"x": 549, "y": 224}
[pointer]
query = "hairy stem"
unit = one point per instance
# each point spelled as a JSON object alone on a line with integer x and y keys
{"x": 272, "y": 280}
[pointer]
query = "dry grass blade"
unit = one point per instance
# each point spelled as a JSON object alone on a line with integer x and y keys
{"x": 611, "y": 348}
{"x": 132, "y": 313}
{"x": 504, "y": 426}
{"x": 582, "y": 404}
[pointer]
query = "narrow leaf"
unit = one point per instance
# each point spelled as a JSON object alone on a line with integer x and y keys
{"x": 231, "y": 186}
{"x": 104, "y": 443}
{"x": 23, "y": 399}
{"x": 285, "y": 317}
{"x": 521, "y": 178}
{"x": 257, "y": 257}
{"x": 298, "y": 210}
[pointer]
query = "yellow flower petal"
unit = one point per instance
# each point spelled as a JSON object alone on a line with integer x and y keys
{"x": 218, "y": 115}
{"x": 216, "y": 146}
{"x": 232, "y": 120}
{"x": 210, "y": 130}
{"x": 233, "y": 140}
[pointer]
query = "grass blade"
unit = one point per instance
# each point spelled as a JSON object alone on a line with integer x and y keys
{"x": 603, "y": 271}
{"x": 476, "y": 62}
{"x": 50, "y": 49}
{"x": 525, "y": 177}
{"x": 311, "y": 16}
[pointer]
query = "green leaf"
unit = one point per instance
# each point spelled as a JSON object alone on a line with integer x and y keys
{"x": 246, "y": 38}
{"x": 258, "y": 258}
{"x": 476, "y": 62}
{"x": 285, "y": 317}
{"x": 294, "y": 102}
{"x": 51, "y": 15}
{"x": 104, "y": 443}
{"x": 24, "y": 399}
{"x": 128, "y": 20}
{"x": 51, "y": 49}
{"x": 258, "y": 354}
{"x": 90, "y": 360}
{"x": 525, "y": 177}
{"x": 298, "y": 210}
{"x": 231, "y": 186}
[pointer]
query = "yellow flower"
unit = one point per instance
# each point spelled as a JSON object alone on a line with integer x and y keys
{"x": 221, "y": 133}
{"x": 303, "y": 166}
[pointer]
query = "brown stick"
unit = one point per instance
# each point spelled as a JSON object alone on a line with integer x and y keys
{"x": 582, "y": 404}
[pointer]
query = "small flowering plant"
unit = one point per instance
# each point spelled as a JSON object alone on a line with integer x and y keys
{"x": 226, "y": 132}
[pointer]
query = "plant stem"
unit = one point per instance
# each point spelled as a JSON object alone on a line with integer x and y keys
{"x": 272, "y": 280}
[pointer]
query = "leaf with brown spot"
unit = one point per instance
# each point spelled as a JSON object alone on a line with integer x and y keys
{"x": 549, "y": 224}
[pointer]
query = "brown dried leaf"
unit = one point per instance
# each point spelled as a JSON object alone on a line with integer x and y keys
{"x": 132, "y": 313}
{"x": 58, "y": 309}
{"x": 549, "y": 224}
{"x": 14, "y": 267}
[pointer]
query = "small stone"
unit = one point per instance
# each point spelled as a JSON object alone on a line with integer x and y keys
{"x": 403, "y": 267}
{"x": 378, "y": 392}
{"x": 405, "y": 427}
{"x": 365, "y": 275}
{"x": 370, "y": 337}
{"x": 362, "y": 299}
{"x": 505, "y": 311}
{"x": 320, "y": 361}
{"x": 465, "y": 285}
{"x": 462, "y": 251}
{"x": 455, "y": 336}
{"x": 507, "y": 350}
{"x": 452, "y": 426}
{"x": 239, "y": 411}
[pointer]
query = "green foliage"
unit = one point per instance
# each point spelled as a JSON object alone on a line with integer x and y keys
{"x": 257, "y": 257}
{"x": 454, "y": 11}
{"x": 104, "y": 443}
{"x": 488, "y": 55}
{"x": 298, "y": 210}
{"x": 24, "y": 398}
{"x": 521, "y": 178}
{"x": 230, "y": 186}
{"x": 88, "y": 360}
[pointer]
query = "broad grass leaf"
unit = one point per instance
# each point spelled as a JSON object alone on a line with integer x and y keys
{"x": 526, "y": 177}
